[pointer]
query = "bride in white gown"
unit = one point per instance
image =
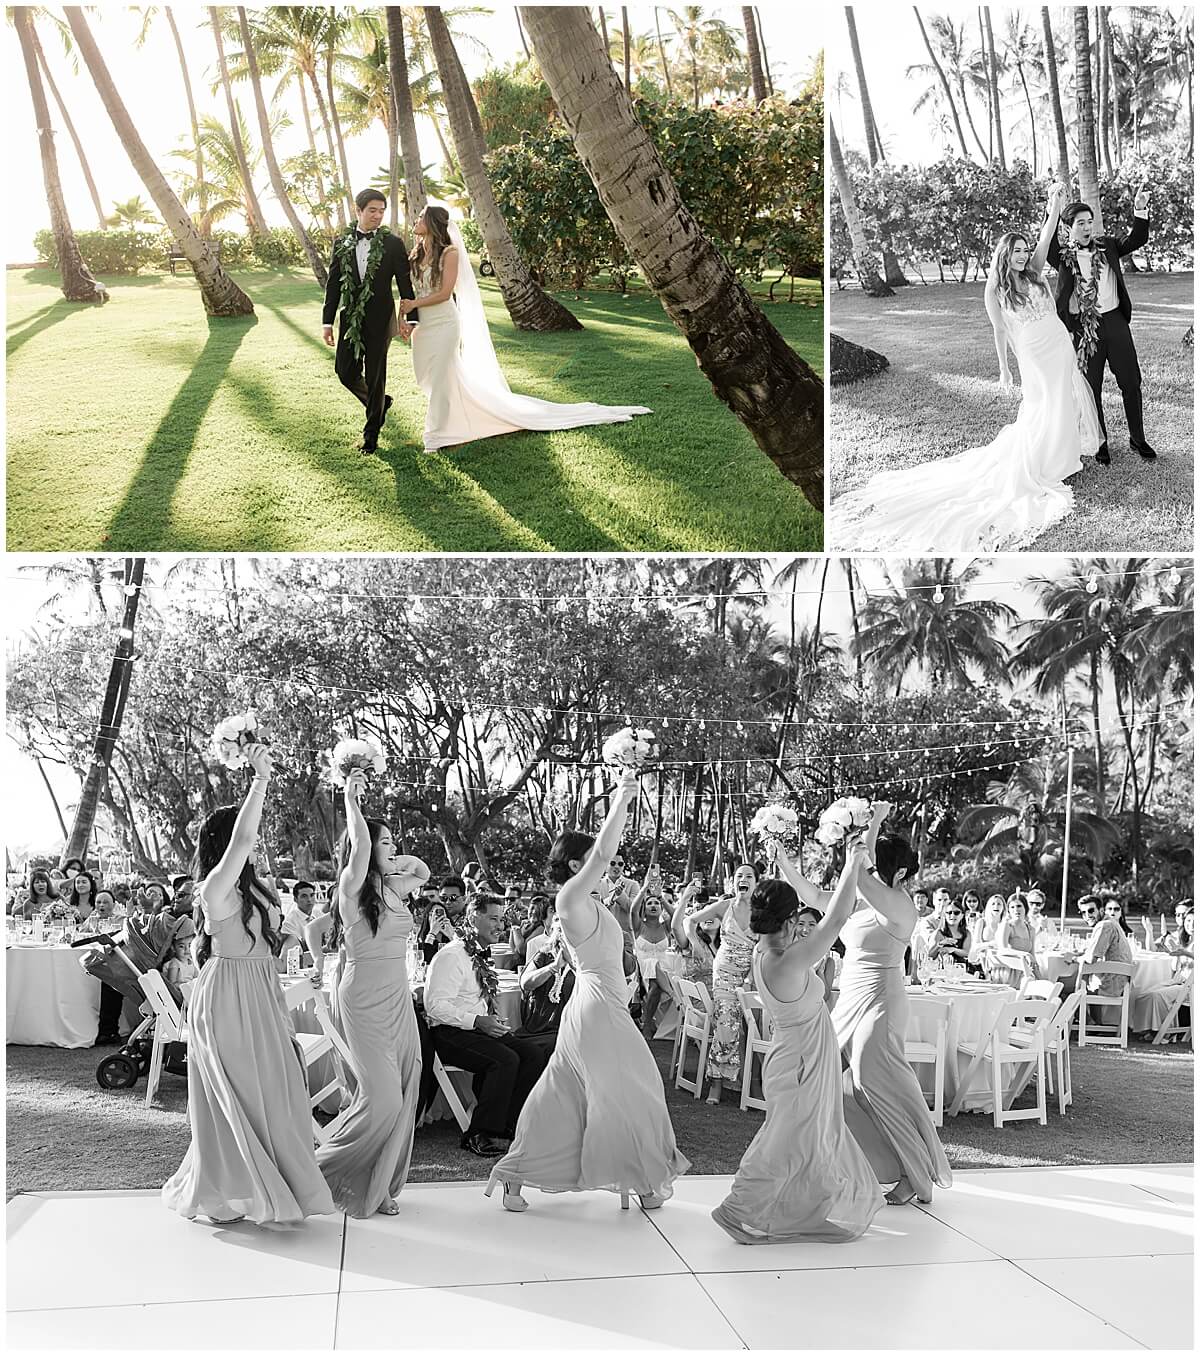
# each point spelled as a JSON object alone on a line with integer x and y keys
{"x": 453, "y": 358}
{"x": 1005, "y": 494}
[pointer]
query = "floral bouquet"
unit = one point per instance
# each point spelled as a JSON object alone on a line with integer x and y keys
{"x": 629, "y": 748}
{"x": 233, "y": 736}
{"x": 355, "y": 755}
{"x": 775, "y": 823}
{"x": 847, "y": 814}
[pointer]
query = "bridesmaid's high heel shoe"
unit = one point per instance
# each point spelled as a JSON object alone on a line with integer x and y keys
{"x": 389, "y": 1207}
{"x": 624, "y": 1200}
{"x": 512, "y": 1198}
{"x": 902, "y": 1193}
{"x": 649, "y": 1201}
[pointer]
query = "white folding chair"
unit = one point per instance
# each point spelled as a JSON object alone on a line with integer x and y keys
{"x": 677, "y": 999}
{"x": 695, "y": 1028}
{"x": 169, "y": 1025}
{"x": 315, "y": 1045}
{"x": 1057, "y": 1040}
{"x": 1040, "y": 988}
{"x": 1120, "y": 1032}
{"x": 1171, "y": 1025}
{"x": 931, "y": 1052}
{"x": 759, "y": 1035}
{"x": 457, "y": 1103}
{"x": 998, "y": 1052}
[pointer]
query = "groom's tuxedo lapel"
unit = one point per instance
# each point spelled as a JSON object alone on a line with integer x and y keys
{"x": 1114, "y": 251}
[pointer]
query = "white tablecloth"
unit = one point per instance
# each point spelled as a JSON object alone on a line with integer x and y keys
{"x": 50, "y": 999}
{"x": 971, "y": 1014}
{"x": 1151, "y": 968}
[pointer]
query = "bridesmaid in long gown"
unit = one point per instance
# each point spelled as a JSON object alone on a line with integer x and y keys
{"x": 597, "y": 1118}
{"x": 251, "y": 1155}
{"x": 884, "y": 1107}
{"x": 804, "y": 1175}
{"x": 366, "y": 1160}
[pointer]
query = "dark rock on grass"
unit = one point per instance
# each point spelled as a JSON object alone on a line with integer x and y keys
{"x": 849, "y": 362}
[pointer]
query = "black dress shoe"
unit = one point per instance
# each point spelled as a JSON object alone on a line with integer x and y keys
{"x": 107, "y": 1038}
{"x": 484, "y": 1146}
{"x": 1102, "y": 456}
{"x": 1144, "y": 450}
{"x": 368, "y": 449}
{"x": 387, "y": 405}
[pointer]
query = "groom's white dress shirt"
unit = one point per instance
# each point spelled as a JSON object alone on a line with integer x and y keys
{"x": 452, "y": 993}
{"x": 1106, "y": 291}
{"x": 361, "y": 249}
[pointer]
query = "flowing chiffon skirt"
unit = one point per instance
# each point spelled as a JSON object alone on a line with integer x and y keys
{"x": 252, "y": 1144}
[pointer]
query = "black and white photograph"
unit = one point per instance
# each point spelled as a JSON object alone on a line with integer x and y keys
{"x": 571, "y": 952}
{"x": 1011, "y": 235}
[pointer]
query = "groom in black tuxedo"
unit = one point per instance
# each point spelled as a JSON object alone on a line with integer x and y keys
{"x": 362, "y": 366}
{"x": 1086, "y": 258}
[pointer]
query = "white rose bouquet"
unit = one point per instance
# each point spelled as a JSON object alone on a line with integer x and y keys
{"x": 844, "y": 816}
{"x": 629, "y": 748}
{"x": 353, "y": 755}
{"x": 775, "y": 823}
{"x": 233, "y": 736}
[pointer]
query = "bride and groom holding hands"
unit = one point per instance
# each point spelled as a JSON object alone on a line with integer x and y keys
{"x": 441, "y": 313}
{"x": 1005, "y": 494}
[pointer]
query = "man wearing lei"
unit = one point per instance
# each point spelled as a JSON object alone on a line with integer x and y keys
{"x": 460, "y": 1007}
{"x": 366, "y": 260}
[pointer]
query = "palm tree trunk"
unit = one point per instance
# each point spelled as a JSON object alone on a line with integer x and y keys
{"x": 521, "y": 32}
{"x": 221, "y": 295}
{"x": 874, "y": 148}
{"x": 1032, "y": 116}
{"x": 994, "y": 81}
{"x": 405, "y": 118}
{"x": 1062, "y": 165}
{"x": 625, "y": 46}
{"x": 315, "y": 262}
{"x": 201, "y": 186}
{"x": 852, "y": 591}
{"x": 312, "y": 146}
{"x": 529, "y": 306}
{"x": 468, "y": 97}
{"x": 941, "y": 75}
{"x": 603, "y": 28}
{"x": 872, "y": 284}
{"x": 762, "y": 46}
{"x": 328, "y": 130}
{"x": 1089, "y": 186}
{"x": 991, "y": 146}
{"x": 1097, "y": 739}
{"x": 70, "y": 126}
{"x": 77, "y": 281}
{"x": 752, "y": 370}
{"x": 58, "y": 814}
{"x": 1102, "y": 102}
{"x": 118, "y": 679}
{"x": 347, "y": 185}
{"x": 966, "y": 103}
{"x": 1135, "y": 825}
{"x": 662, "y": 52}
{"x": 1113, "y": 89}
{"x": 256, "y": 223}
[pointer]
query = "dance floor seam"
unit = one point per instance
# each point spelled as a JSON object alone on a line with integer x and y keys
{"x": 456, "y": 1271}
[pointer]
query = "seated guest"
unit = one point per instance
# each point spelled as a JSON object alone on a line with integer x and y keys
{"x": 1150, "y": 1007}
{"x": 547, "y": 981}
{"x": 1170, "y": 941}
{"x": 972, "y": 905}
{"x": 178, "y": 966}
{"x": 158, "y": 897}
{"x": 533, "y": 928}
{"x": 40, "y": 895}
{"x": 460, "y": 988}
{"x": 296, "y": 919}
{"x": 928, "y": 922}
{"x": 983, "y": 934}
{"x": 1106, "y": 943}
{"x": 82, "y": 899}
{"x": 952, "y": 938}
{"x": 1011, "y": 960}
{"x": 438, "y": 925}
{"x": 1038, "y": 921}
{"x": 183, "y": 887}
{"x": 1114, "y": 909}
{"x": 104, "y": 918}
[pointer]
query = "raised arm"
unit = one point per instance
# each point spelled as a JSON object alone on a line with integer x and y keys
{"x": 809, "y": 950}
{"x": 575, "y": 896}
{"x": 218, "y": 895}
{"x": 1140, "y": 233}
{"x": 810, "y": 894}
{"x": 678, "y": 915}
{"x": 354, "y": 873}
{"x": 1054, "y": 206}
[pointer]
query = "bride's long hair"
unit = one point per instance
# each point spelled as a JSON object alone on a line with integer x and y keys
{"x": 1001, "y": 276}
{"x": 437, "y": 242}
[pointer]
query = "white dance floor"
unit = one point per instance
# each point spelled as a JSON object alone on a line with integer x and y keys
{"x": 1079, "y": 1258}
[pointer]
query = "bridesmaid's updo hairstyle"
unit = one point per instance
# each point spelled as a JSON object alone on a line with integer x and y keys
{"x": 771, "y": 905}
{"x": 370, "y": 897}
{"x": 892, "y": 854}
{"x": 435, "y": 244}
{"x": 569, "y": 846}
{"x": 213, "y": 839}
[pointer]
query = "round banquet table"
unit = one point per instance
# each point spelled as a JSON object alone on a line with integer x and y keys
{"x": 1151, "y": 968}
{"x": 972, "y": 1013}
{"x": 51, "y": 999}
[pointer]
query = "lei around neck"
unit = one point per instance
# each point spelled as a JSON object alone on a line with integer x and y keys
{"x": 355, "y": 295}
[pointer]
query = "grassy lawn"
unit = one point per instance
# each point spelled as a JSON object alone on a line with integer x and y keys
{"x": 940, "y": 396}
{"x": 144, "y": 426}
{"x": 64, "y": 1133}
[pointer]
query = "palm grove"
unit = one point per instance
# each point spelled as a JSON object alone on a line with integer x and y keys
{"x": 672, "y": 156}
{"x": 493, "y": 685}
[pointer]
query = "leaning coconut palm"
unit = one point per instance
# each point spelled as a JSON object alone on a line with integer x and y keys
{"x": 315, "y": 262}
{"x": 752, "y": 370}
{"x": 221, "y": 295}
{"x": 405, "y": 120}
{"x": 864, "y": 265}
{"x": 149, "y": 13}
{"x": 529, "y": 306}
{"x": 256, "y": 223}
{"x": 77, "y": 281}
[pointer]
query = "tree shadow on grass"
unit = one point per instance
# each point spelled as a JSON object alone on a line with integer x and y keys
{"x": 30, "y": 327}
{"x": 143, "y": 516}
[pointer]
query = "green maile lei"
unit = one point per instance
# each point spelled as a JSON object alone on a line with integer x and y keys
{"x": 481, "y": 963}
{"x": 355, "y": 295}
{"x": 1087, "y": 291}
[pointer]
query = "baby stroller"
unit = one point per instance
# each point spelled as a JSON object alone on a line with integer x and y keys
{"x": 143, "y": 944}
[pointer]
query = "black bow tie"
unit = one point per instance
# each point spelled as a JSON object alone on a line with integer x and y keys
{"x": 364, "y": 235}
{"x": 1084, "y": 249}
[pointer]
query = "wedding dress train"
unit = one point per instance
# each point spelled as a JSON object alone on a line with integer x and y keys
{"x": 456, "y": 367}
{"x": 994, "y": 497}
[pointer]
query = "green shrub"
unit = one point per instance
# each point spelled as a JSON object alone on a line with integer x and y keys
{"x": 114, "y": 252}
